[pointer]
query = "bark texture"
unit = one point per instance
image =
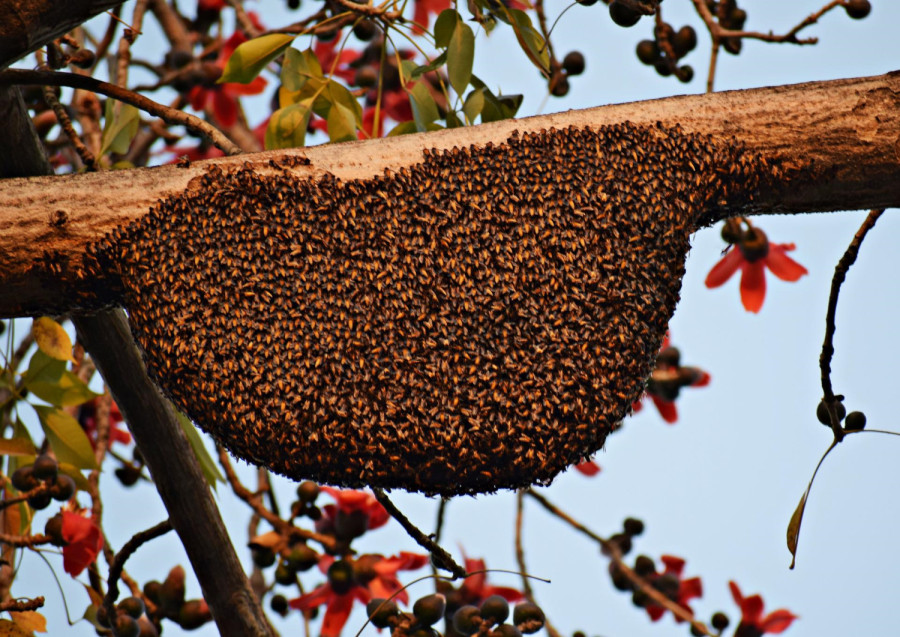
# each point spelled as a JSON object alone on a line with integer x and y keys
{"x": 26, "y": 26}
{"x": 839, "y": 141}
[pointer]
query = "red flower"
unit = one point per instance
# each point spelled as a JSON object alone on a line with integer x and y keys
{"x": 224, "y": 97}
{"x": 353, "y": 502}
{"x": 688, "y": 589}
{"x": 667, "y": 380}
{"x": 84, "y": 542}
{"x": 475, "y": 588}
{"x": 752, "y": 620}
{"x": 87, "y": 417}
{"x": 752, "y": 254}
{"x": 334, "y": 63}
{"x": 373, "y": 576}
{"x": 424, "y": 9}
{"x": 588, "y": 468}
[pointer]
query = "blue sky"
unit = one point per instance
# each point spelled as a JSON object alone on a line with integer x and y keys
{"x": 719, "y": 487}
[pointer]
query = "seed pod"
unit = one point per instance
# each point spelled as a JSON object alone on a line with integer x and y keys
{"x": 429, "y": 610}
{"x": 528, "y": 617}
{"x": 495, "y": 609}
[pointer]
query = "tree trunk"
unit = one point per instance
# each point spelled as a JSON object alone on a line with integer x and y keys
{"x": 839, "y": 141}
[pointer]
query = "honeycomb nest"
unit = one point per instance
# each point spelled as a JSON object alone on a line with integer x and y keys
{"x": 480, "y": 320}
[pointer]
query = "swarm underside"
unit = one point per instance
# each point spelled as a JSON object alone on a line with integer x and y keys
{"x": 481, "y": 320}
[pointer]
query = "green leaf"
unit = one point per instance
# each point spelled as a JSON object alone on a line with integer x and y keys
{"x": 49, "y": 380}
{"x": 460, "y": 57}
{"x": 403, "y": 128}
{"x": 453, "y": 120}
{"x": 793, "y": 530}
{"x": 120, "y": 125}
{"x": 67, "y": 438}
{"x": 207, "y": 464}
{"x": 341, "y": 123}
{"x": 435, "y": 64}
{"x": 423, "y": 107}
{"x": 444, "y": 27}
{"x": 17, "y": 447}
{"x": 252, "y": 56}
{"x": 473, "y": 105}
{"x": 530, "y": 39}
{"x": 299, "y": 67}
{"x": 51, "y": 338}
{"x": 287, "y": 127}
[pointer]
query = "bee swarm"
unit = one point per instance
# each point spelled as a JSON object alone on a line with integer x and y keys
{"x": 479, "y": 321}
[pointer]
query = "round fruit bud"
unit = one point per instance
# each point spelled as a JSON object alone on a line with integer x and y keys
{"x": 586, "y": 3}
{"x": 128, "y": 475}
{"x": 559, "y": 85}
{"x": 429, "y": 610}
{"x": 619, "y": 579}
{"x": 327, "y": 35}
{"x": 127, "y": 626}
{"x": 152, "y": 590}
{"x": 340, "y": 576}
{"x": 633, "y": 526}
{"x": 640, "y": 599}
{"x": 736, "y": 19}
{"x": 644, "y": 566}
{"x": 423, "y": 631}
{"x": 684, "y": 73}
{"x": 697, "y": 632}
{"x": 719, "y": 621}
{"x": 668, "y": 584}
{"x": 623, "y": 15}
{"x": 45, "y": 467}
{"x": 365, "y": 30}
{"x": 467, "y": 620}
{"x": 302, "y": 557}
{"x": 147, "y": 628}
{"x": 102, "y": 616}
{"x": 495, "y": 609}
{"x": 349, "y": 525}
{"x": 855, "y": 421}
{"x": 279, "y": 604}
{"x": 284, "y": 574}
{"x": 528, "y": 617}
{"x": 53, "y": 529}
{"x": 366, "y": 77}
{"x": 858, "y": 9}
{"x": 23, "y": 478}
{"x": 293, "y": 4}
{"x": 39, "y": 501}
{"x": 63, "y": 488}
{"x": 648, "y": 51}
{"x": 380, "y": 612}
{"x": 684, "y": 41}
{"x": 573, "y": 63}
{"x": 733, "y": 45}
{"x": 262, "y": 556}
{"x": 663, "y": 67}
{"x": 624, "y": 542}
{"x": 133, "y": 606}
{"x": 506, "y": 630}
{"x": 194, "y": 614}
{"x": 171, "y": 593}
{"x": 823, "y": 415}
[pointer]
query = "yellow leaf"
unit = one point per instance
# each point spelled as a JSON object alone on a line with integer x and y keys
{"x": 10, "y": 629}
{"x": 30, "y": 620}
{"x": 52, "y": 339}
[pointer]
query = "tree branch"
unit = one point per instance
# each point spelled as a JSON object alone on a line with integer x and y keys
{"x": 838, "y": 139}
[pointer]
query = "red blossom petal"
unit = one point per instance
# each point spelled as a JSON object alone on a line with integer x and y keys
{"x": 637, "y": 405}
{"x": 753, "y": 286}
{"x": 588, "y": 468}
{"x": 405, "y": 561}
{"x": 781, "y": 265}
{"x": 655, "y": 611}
{"x": 84, "y": 542}
{"x": 198, "y": 97}
{"x": 225, "y": 108}
{"x": 666, "y": 408}
{"x": 702, "y": 380}
{"x": 423, "y": 11}
{"x": 256, "y": 86}
{"x": 507, "y": 593}
{"x": 690, "y": 588}
{"x": 752, "y": 610}
{"x": 313, "y": 599}
{"x": 336, "y": 615}
{"x": 736, "y": 594}
{"x": 673, "y": 564}
{"x": 777, "y": 621}
{"x": 725, "y": 268}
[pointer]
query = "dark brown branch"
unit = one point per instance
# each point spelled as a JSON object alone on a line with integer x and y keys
{"x": 441, "y": 558}
{"x": 840, "y": 274}
{"x": 127, "y": 550}
{"x": 177, "y": 475}
{"x": 167, "y": 114}
{"x": 18, "y": 606}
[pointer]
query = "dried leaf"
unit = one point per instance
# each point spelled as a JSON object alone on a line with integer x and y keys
{"x": 52, "y": 339}
{"x": 793, "y": 530}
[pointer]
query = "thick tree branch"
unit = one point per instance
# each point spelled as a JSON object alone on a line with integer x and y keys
{"x": 27, "y": 26}
{"x": 839, "y": 139}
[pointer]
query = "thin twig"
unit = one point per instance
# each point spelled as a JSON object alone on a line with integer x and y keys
{"x": 17, "y": 606}
{"x": 520, "y": 559}
{"x": 26, "y": 541}
{"x": 127, "y": 550}
{"x": 66, "y": 124}
{"x": 611, "y": 549}
{"x": 720, "y": 32}
{"x": 169, "y": 115}
{"x": 442, "y": 558}
{"x": 840, "y": 274}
